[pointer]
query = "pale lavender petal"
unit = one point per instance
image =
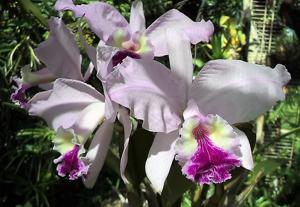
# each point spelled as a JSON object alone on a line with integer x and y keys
{"x": 60, "y": 52}
{"x": 104, "y": 60}
{"x": 160, "y": 159}
{"x": 125, "y": 120}
{"x": 110, "y": 106}
{"x": 181, "y": 61}
{"x": 137, "y": 17}
{"x": 46, "y": 86}
{"x": 245, "y": 154}
{"x": 97, "y": 152}
{"x": 44, "y": 95}
{"x": 238, "y": 91}
{"x": 70, "y": 164}
{"x": 150, "y": 91}
{"x": 89, "y": 118}
{"x": 71, "y": 103}
{"x": 173, "y": 19}
{"x": 88, "y": 72}
{"x": 103, "y": 19}
{"x": 191, "y": 110}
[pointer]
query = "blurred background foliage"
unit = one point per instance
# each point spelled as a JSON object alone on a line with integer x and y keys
{"x": 27, "y": 175}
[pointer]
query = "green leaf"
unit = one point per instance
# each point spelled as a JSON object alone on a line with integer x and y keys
{"x": 261, "y": 169}
{"x": 32, "y": 8}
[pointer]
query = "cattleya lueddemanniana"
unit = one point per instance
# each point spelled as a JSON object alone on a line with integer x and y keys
{"x": 120, "y": 39}
{"x": 132, "y": 39}
{"x": 72, "y": 117}
{"x": 194, "y": 118}
{"x": 75, "y": 116}
{"x": 65, "y": 62}
{"x": 188, "y": 116}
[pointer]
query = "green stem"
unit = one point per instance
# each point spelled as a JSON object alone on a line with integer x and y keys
{"x": 134, "y": 199}
{"x": 112, "y": 161}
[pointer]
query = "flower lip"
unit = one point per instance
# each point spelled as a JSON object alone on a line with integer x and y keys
{"x": 70, "y": 163}
{"x": 18, "y": 96}
{"x": 210, "y": 164}
{"x": 202, "y": 159}
{"x": 121, "y": 55}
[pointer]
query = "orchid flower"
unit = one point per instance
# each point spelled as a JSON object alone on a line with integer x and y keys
{"x": 133, "y": 39}
{"x": 61, "y": 57}
{"x": 194, "y": 119}
{"x": 74, "y": 110}
{"x": 120, "y": 39}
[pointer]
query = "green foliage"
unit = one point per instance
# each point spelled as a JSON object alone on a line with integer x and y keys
{"x": 280, "y": 189}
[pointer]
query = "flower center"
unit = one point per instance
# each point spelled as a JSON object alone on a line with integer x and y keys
{"x": 199, "y": 132}
{"x": 130, "y": 45}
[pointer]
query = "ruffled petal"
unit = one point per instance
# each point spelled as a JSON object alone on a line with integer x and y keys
{"x": 137, "y": 17}
{"x": 104, "y": 61}
{"x": 60, "y": 52}
{"x": 150, "y": 91}
{"x": 181, "y": 61}
{"x": 97, "y": 152}
{"x": 103, "y": 19}
{"x": 160, "y": 159}
{"x": 238, "y": 91}
{"x": 71, "y": 103}
{"x": 173, "y": 19}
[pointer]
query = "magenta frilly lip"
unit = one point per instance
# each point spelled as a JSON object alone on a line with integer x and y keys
{"x": 208, "y": 163}
{"x": 71, "y": 164}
